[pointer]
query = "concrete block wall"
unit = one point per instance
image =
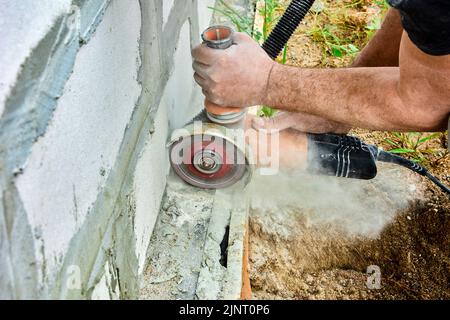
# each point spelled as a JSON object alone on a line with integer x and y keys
{"x": 89, "y": 91}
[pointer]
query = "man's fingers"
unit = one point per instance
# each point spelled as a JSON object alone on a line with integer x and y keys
{"x": 206, "y": 94}
{"x": 204, "y": 54}
{"x": 200, "y": 80}
{"x": 201, "y": 69}
{"x": 310, "y": 123}
{"x": 314, "y": 124}
{"x": 281, "y": 121}
{"x": 198, "y": 53}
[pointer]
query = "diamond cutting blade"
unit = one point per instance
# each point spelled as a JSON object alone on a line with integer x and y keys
{"x": 207, "y": 158}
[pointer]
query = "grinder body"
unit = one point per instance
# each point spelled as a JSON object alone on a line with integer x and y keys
{"x": 341, "y": 156}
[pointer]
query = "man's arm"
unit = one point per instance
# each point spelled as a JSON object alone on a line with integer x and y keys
{"x": 412, "y": 97}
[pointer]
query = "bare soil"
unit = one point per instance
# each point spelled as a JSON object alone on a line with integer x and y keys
{"x": 323, "y": 262}
{"x": 412, "y": 252}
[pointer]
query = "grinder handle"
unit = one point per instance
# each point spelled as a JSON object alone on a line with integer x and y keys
{"x": 216, "y": 109}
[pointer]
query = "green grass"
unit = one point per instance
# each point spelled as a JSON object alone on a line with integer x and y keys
{"x": 340, "y": 32}
{"x": 333, "y": 44}
{"x": 269, "y": 13}
{"x": 412, "y": 145}
{"x": 242, "y": 23}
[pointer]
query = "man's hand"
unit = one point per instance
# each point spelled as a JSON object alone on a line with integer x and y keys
{"x": 234, "y": 77}
{"x": 299, "y": 121}
{"x": 288, "y": 148}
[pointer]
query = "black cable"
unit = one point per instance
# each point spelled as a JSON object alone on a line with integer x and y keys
{"x": 284, "y": 29}
{"x": 437, "y": 182}
{"x": 384, "y": 156}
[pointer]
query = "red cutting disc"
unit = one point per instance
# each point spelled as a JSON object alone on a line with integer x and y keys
{"x": 232, "y": 161}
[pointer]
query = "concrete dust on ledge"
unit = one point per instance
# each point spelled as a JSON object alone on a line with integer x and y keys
{"x": 196, "y": 250}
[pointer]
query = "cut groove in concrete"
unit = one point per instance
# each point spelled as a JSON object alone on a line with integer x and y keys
{"x": 230, "y": 211}
{"x": 233, "y": 281}
{"x": 187, "y": 247}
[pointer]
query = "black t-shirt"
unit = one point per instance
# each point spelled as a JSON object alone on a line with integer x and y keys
{"x": 427, "y": 23}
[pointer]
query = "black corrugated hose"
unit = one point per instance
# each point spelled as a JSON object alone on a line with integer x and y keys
{"x": 284, "y": 29}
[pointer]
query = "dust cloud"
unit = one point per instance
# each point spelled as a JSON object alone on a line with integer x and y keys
{"x": 358, "y": 207}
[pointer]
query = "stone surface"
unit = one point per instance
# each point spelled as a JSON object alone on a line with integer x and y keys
{"x": 83, "y": 138}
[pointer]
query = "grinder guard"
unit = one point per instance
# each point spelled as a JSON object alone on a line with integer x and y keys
{"x": 208, "y": 156}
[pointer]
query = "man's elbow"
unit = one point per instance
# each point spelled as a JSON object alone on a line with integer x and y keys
{"x": 435, "y": 125}
{"x": 429, "y": 118}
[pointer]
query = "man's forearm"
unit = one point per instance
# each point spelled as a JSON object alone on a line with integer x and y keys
{"x": 362, "y": 97}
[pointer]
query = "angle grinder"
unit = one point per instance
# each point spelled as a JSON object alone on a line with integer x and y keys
{"x": 207, "y": 152}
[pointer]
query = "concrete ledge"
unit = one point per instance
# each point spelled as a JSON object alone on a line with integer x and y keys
{"x": 198, "y": 246}
{"x": 177, "y": 244}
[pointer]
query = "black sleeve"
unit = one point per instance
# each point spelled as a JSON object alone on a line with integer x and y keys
{"x": 427, "y": 23}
